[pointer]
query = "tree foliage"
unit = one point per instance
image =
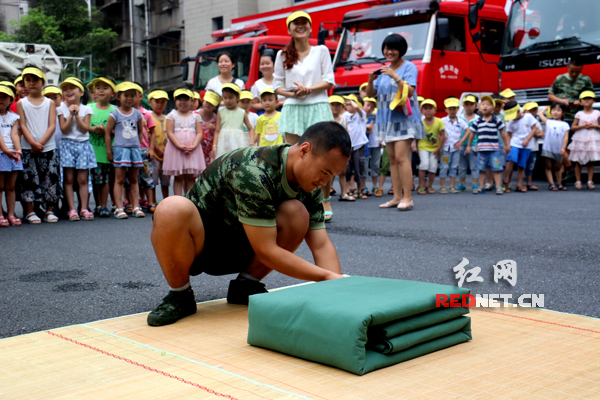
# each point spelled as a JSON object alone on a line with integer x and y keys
{"x": 66, "y": 26}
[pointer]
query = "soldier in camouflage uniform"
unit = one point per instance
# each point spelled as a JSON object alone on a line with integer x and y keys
{"x": 247, "y": 213}
{"x": 567, "y": 88}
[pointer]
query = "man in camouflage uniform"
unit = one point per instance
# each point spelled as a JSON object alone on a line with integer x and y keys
{"x": 567, "y": 88}
{"x": 247, "y": 213}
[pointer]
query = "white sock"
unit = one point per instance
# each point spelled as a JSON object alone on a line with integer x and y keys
{"x": 247, "y": 276}
{"x": 180, "y": 289}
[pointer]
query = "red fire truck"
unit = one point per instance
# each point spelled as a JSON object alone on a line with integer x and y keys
{"x": 452, "y": 55}
{"x": 541, "y": 37}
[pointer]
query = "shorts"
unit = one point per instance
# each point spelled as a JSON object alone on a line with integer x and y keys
{"x": 78, "y": 155}
{"x": 468, "y": 161}
{"x": 375, "y": 161}
{"x": 101, "y": 174}
{"x": 428, "y": 161}
{"x": 145, "y": 178}
{"x": 226, "y": 249}
{"x": 556, "y": 157}
{"x": 490, "y": 159}
{"x": 449, "y": 164}
{"x": 127, "y": 157}
{"x": 157, "y": 174}
{"x": 7, "y": 164}
{"x": 531, "y": 163}
{"x": 519, "y": 156}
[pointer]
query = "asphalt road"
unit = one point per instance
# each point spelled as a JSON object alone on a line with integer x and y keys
{"x": 53, "y": 275}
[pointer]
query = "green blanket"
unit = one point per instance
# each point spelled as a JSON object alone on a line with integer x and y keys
{"x": 358, "y": 324}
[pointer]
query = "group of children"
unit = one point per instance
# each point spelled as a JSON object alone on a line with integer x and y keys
{"x": 64, "y": 147}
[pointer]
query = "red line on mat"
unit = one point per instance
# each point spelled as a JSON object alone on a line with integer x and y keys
{"x": 538, "y": 320}
{"x": 143, "y": 366}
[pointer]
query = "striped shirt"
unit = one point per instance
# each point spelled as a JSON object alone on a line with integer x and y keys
{"x": 487, "y": 132}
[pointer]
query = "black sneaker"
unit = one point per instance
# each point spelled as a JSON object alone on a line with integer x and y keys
{"x": 174, "y": 306}
{"x": 241, "y": 289}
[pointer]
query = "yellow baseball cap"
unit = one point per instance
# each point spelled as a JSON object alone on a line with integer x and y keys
{"x": 296, "y": 15}
{"x": 469, "y": 98}
{"x": 246, "y": 95}
{"x": 195, "y": 95}
{"x": 232, "y": 86}
{"x": 355, "y": 99}
{"x": 19, "y": 79}
{"x": 7, "y": 91}
{"x": 430, "y": 102}
{"x": 51, "y": 89}
{"x": 587, "y": 93}
{"x": 488, "y": 98}
{"x": 125, "y": 86}
{"x": 371, "y": 99}
{"x": 34, "y": 71}
{"x": 183, "y": 92}
{"x": 506, "y": 93}
{"x": 420, "y": 98}
{"x": 336, "y": 99}
{"x": 530, "y": 106}
{"x": 511, "y": 110}
{"x": 266, "y": 90}
{"x": 95, "y": 81}
{"x": 363, "y": 86}
{"x": 212, "y": 98}
{"x": 451, "y": 102}
{"x": 72, "y": 81}
{"x": 158, "y": 94}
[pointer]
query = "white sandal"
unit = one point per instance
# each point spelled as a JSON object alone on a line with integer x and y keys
{"x": 32, "y": 218}
{"x": 50, "y": 217}
{"x": 137, "y": 213}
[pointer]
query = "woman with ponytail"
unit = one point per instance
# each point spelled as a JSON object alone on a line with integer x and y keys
{"x": 303, "y": 74}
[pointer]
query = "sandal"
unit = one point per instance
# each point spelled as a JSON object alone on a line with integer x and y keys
{"x": 366, "y": 192}
{"x": 72, "y": 215}
{"x": 430, "y": 190}
{"x": 389, "y": 204}
{"x": 332, "y": 192}
{"x": 553, "y": 187}
{"x": 50, "y": 217}
{"x": 86, "y": 215}
{"x": 488, "y": 186}
{"x": 138, "y": 213}
{"x": 477, "y": 189}
{"x": 421, "y": 190}
{"x": 328, "y": 214}
{"x": 144, "y": 204}
{"x": 377, "y": 192}
{"x": 578, "y": 185}
{"x": 152, "y": 208}
{"x": 32, "y": 218}
{"x": 391, "y": 191}
{"x": 119, "y": 213}
{"x": 499, "y": 191}
{"x": 128, "y": 209}
{"x": 4, "y": 222}
{"x": 453, "y": 190}
{"x": 521, "y": 189}
{"x": 590, "y": 185}
{"x": 532, "y": 187}
{"x": 353, "y": 192}
{"x": 443, "y": 190}
{"x": 346, "y": 197}
{"x": 14, "y": 221}
{"x": 506, "y": 187}
{"x": 561, "y": 187}
{"x": 104, "y": 213}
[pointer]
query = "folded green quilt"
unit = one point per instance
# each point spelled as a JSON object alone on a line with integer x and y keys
{"x": 358, "y": 324}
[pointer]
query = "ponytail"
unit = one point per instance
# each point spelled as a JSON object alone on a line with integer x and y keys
{"x": 291, "y": 55}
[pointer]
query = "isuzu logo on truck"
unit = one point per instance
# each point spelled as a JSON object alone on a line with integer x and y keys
{"x": 556, "y": 62}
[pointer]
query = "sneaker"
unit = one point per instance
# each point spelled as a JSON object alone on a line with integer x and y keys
{"x": 461, "y": 188}
{"x": 241, "y": 289}
{"x": 174, "y": 306}
{"x": 488, "y": 186}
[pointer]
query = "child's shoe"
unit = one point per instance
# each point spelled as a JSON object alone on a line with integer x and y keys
{"x": 443, "y": 190}
{"x": 128, "y": 209}
{"x": 241, "y": 288}
{"x": 487, "y": 186}
{"x": 590, "y": 185}
{"x": 422, "y": 190}
{"x": 104, "y": 213}
{"x": 97, "y": 210}
{"x": 461, "y": 188}
{"x": 476, "y": 189}
{"x": 72, "y": 215}
{"x": 144, "y": 203}
{"x": 430, "y": 190}
{"x": 499, "y": 191}
{"x": 453, "y": 190}
{"x": 174, "y": 306}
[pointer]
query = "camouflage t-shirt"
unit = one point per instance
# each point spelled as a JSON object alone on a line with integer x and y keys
{"x": 246, "y": 186}
{"x": 565, "y": 88}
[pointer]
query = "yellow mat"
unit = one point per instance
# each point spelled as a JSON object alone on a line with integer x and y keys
{"x": 515, "y": 353}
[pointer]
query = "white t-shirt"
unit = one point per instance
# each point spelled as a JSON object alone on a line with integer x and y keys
{"x": 357, "y": 128}
{"x": 259, "y": 86}
{"x": 554, "y": 135}
{"x": 216, "y": 86}
{"x": 520, "y": 129}
{"x": 6, "y": 123}
{"x": 314, "y": 69}
{"x": 37, "y": 119}
{"x": 453, "y": 132}
{"x": 253, "y": 117}
{"x": 75, "y": 134}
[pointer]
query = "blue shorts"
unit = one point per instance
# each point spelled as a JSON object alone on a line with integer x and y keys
{"x": 490, "y": 159}
{"x": 125, "y": 157}
{"x": 531, "y": 163}
{"x": 518, "y": 156}
{"x": 7, "y": 164}
{"x": 78, "y": 155}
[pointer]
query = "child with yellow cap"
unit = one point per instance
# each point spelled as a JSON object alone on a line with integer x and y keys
{"x": 10, "y": 155}
{"x": 430, "y": 147}
{"x": 244, "y": 103}
{"x": 41, "y": 166}
{"x": 158, "y": 101}
{"x": 585, "y": 143}
{"x": 374, "y": 148}
{"x": 453, "y": 127}
{"x": 208, "y": 117}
